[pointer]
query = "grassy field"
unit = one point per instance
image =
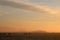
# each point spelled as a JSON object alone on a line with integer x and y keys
{"x": 29, "y": 36}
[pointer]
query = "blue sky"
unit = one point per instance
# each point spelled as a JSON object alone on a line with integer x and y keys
{"x": 29, "y": 15}
{"x": 45, "y": 2}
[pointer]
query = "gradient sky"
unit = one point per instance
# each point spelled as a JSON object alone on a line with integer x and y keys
{"x": 29, "y": 15}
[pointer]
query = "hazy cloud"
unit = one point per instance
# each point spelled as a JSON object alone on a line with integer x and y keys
{"x": 28, "y": 6}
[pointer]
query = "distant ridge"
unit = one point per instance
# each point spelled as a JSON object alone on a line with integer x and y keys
{"x": 39, "y": 31}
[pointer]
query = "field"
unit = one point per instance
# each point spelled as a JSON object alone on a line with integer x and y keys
{"x": 29, "y": 36}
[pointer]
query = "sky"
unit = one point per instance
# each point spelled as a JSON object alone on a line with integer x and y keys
{"x": 29, "y": 15}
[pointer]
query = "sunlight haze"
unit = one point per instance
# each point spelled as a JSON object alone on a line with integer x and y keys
{"x": 29, "y": 15}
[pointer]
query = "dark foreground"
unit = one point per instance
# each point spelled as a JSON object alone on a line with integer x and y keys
{"x": 29, "y": 36}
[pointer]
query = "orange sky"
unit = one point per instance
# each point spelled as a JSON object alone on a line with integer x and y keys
{"x": 28, "y": 26}
{"x": 28, "y": 15}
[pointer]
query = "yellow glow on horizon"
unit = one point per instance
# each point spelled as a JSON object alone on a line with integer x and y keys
{"x": 28, "y": 26}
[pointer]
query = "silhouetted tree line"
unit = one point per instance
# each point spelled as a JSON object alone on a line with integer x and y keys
{"x": 29, "y": 36}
